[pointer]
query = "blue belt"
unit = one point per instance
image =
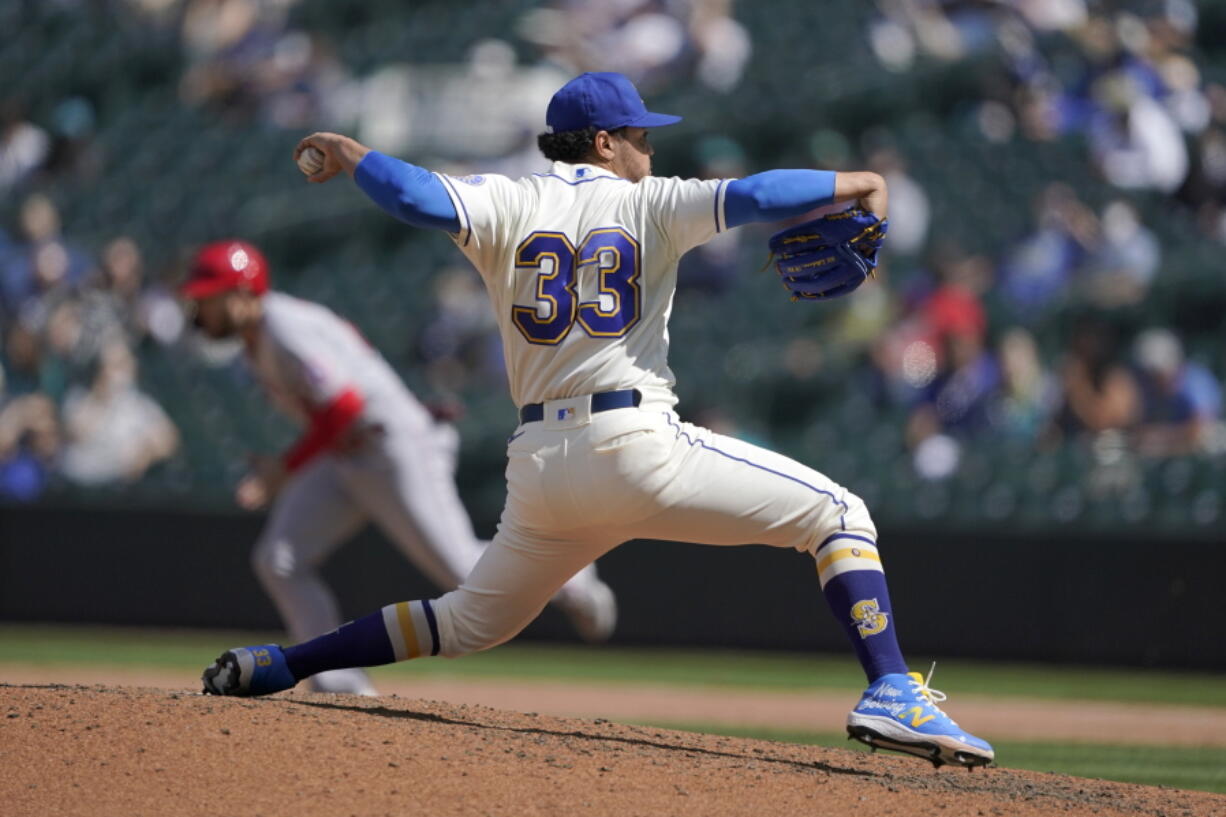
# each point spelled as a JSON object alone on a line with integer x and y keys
{"x": 602, "y": 401}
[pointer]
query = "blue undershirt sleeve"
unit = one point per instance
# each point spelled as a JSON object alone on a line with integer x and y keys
{"x": 776, "y": 194}
{"x": 407, "y": 192}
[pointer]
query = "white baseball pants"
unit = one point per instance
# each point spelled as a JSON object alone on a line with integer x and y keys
{"x": 579, "y": 484}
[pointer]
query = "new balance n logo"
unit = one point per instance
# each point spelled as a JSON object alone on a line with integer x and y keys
{"x": 918, "y": 718}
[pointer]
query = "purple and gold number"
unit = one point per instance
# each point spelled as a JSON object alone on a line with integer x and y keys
{"x": 553, "y": 258}
{"x": 614, "y": 256}
{"x": 262, "y": 658}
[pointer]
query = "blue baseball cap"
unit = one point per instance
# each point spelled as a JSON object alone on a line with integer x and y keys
{"x": 603, "y": 100}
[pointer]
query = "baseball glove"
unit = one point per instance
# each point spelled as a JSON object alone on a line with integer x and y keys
{"x": 828, "y": 256}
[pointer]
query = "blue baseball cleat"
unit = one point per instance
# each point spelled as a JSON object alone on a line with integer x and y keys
{"x": 248, "y": 671}
{"x": 900, "y": 712}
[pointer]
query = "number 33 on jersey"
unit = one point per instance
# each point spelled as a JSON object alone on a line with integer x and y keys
{"x": 582, "y": 285}
{"x": 608, "y": 255}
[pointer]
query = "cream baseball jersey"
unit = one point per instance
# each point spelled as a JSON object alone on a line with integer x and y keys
{"x": 581, "y": 266}
{"x": 306, "y": 356}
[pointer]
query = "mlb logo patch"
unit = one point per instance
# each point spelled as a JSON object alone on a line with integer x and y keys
{"x": 566, "y": 413}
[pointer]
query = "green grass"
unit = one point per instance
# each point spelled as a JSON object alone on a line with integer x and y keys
{"x": 188, "y": 650}
{"x": 1183, "y": 767}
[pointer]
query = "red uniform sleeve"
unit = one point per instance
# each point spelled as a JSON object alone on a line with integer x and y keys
{"x": 327, "y": 425}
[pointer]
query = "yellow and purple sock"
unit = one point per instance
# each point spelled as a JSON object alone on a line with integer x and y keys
{"x": 398, "y": 632}
{"x": 853, "y": 582}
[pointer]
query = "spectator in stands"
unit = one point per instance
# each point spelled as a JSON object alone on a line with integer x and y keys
{"x": 117, "y": 298}
{"x": 22, "y": 358}
{"x": 909, "y": 358}
{"x": 116, "y": 432}
{"x": 1134, "y": 141}
{"x": 1164, "y": 43}
{"x": 724, "y": 46}
{"x": 945, "y": 31}
{"x": 1039, "y": 113}
{"x": 1053, "y": 15}
{"x": 1205, "y": 189}
{"x": 937, "y": 363}
{"x": 42, "y": 265}
{"x": 49, "y": 282}
{"x": 218, "y": 37}
{"x": 1027, "y": 396}
{"x": 109, "y": 299}
{"x": 68, "y": 348}
{"x": 1099, "y": 393}
{"x": 299, "y": 80}
{"x": 24, "y": 146}
{"x": 958, "y": 398}
{"x": 1180, "y": 399}
{"x": 641, "y": 38}
{"x": 1119, "y": 270}
{"x": 45, "y": 348}
{"x": 910, "y": 213}
{"x": 946, "y": 366}
{"x": 654, "y": 42}
{"x": 1184, "y": 98}
{"x": 245, "y": 61}
{"x": 955, "y": 305}
{"x": 1037, "y": 271}
{"x": 29, "y": 446}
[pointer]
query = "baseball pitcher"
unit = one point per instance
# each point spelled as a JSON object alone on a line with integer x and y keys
{"x": 580, "y": 262}
{"x": 369, "y": 451}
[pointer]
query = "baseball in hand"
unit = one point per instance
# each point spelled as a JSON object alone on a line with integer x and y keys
{"x": 311, "y": 160}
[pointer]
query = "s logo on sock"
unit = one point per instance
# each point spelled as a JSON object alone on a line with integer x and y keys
{"x": 867, "y": 616}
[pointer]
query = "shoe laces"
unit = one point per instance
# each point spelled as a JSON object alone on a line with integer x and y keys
{"x": 920, "y": 684}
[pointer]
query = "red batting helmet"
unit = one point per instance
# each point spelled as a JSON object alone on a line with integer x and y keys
{"x": 226, "y": 265}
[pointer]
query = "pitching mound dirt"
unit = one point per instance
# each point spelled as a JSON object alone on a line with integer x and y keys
{"x": 94, "y": 751}
{"x": 998, "y": 718}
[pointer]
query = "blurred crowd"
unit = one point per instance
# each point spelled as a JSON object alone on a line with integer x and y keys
{"x": 246, "y": 60}
{"x": 74, "y": 320}
{"x": 962, "y": 371}
{"x": 489, "y": 109}
{"x": 1045, "y": 339}
{"x": 1121, "y": 76}
{"x": 654, "y": 42}
{"x": 70, "y": 404}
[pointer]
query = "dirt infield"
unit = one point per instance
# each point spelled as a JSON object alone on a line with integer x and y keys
{"x": 999, "y": 718}
{"x": 73, "y": 750}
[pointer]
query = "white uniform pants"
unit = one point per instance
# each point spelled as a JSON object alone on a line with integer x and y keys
{"x": 579, "y": 484}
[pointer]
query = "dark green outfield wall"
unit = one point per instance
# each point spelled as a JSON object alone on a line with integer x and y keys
{"x": 1059, "y": 598}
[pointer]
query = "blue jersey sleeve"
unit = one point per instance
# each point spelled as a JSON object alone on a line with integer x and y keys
{"x": 777, "y": 194}
{"x": 407, "y": 192}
